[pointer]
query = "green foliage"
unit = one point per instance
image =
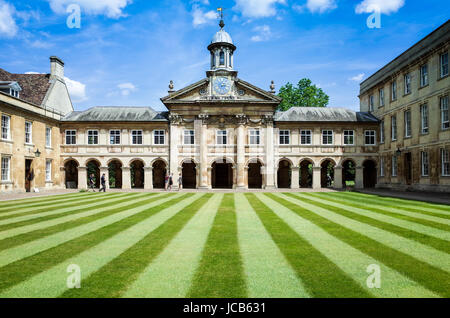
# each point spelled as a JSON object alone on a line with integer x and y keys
{"x": 305, "y": 94}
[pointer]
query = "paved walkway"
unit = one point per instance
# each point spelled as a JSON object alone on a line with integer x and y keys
{"x": 432, "y": 197}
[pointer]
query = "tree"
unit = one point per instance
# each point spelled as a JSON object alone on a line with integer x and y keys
{"x": 304, "y": 95}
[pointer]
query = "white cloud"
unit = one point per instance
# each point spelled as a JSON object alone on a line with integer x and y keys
{"x": 200, "y": 17}
{"x": 357, "y": 78}
{"x": 320, "y": 6}
{"x": 258, "y": 8}
{"x": 110, "y": 8}
{"x": 382, "y": 6}
{"x": 126, "y": 88}
{"x": 8, "y": 26}
{"x": 264, "y": 33}
{"x": 77, "y": 90}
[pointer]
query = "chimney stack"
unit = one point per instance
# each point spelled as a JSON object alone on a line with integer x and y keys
{"x": 56, "y": 67}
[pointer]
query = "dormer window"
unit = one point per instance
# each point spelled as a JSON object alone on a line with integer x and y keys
{"x": 222, "y": 58}
{"x": 11, "y": 88}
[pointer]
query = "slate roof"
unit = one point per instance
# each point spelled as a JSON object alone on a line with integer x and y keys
{"x": 34, "y": 86}
{"x": 116, "y": 114}
{"x": 321, "y": 114}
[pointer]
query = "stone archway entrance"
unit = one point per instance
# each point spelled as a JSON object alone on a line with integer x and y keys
{"x": 189, "y": 175}
{"x": 306, "y": 174}
{"x": 159, "y": 173}
{"x": 137, "y": 174}
{"x": 255, "y": 178}
{"x": 115, "y": 174}
{"x": 327, "y": 173}
{"x": 222, "y": 175}
{"x": 93, "y": 168}
{"x": 369, "y": 174}
{"x": 284, "y": 174}
{"x": 348, "y": 173}
{"x": 71, "y": 172}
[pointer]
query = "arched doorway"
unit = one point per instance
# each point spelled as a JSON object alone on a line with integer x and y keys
{"x": 369, "y": 174}
{"x": 137, "y": 174}
{"x": 306, "y": 174}
{"x": 254, "y": 175}
{"x": 189, "y": 175}
{"x": 284, "y": 174}
{"x": 71, "y": 172}
{"x": 327, "y": 173}
{"x": 348, "y": 173}
{"x": 93, "y": 168}
{"x": 222, "y": 175}
{"x": 159, "y": 173}
{"x": 115, "y": 174}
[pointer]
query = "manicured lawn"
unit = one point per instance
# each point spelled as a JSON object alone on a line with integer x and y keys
{"x": 224, "y": 245}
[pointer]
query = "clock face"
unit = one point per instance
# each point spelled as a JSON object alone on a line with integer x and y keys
{"x": 222, "y": 85}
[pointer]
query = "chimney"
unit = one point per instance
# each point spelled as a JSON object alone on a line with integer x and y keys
{"x": 56, "y": 67}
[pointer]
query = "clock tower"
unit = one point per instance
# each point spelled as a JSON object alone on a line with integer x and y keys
{"x": 221, "y": 73}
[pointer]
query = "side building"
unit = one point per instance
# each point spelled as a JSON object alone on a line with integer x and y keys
{"x": 410, "y": 96}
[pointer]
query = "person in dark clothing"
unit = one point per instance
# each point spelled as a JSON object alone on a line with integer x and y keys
{"x": 170, "y": 182}
{"x": 91, "y": 182}
{"x": 103, "y": 181}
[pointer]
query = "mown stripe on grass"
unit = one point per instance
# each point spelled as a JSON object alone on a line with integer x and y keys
{"x": 27, "y": 201}
{"x": 52, "y": 282}
{"x": 129, "y": 209}
{"x": 24, "y": 268}
{"x": 428, "y": 236}
{"x": 320, "y": 276}
{"x": 268, "y": 273}
{"x": 105, "y": 211}
{"x": 396, "y": 209}
{"x": 392, "y": 250}
{"x": 220, "y": 273}
{"x": 50, "y": 205}
{"x": 349, "y": 259}
{"x": 31, "y": 217}
{"x": 432, "y": 207}
{"x": 112, "y": 280}
{"x": 45, "y": 224}
{"x": 170, "y": 274}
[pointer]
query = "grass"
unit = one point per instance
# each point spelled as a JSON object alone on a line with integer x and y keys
{"x": 224, "y": 245}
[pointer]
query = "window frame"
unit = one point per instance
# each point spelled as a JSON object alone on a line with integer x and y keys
{"x": 393, "y": 90}
{"x": 137, "y": 136}
{"x": 381, "y": 167}
{"x": 381, "y": 97}
{"x": 407, "y": 123}
{"x": 159, "y": 136}
{"x": 372, "y": 135}
{"x": 371, "y": 103}
{"x": 6, "y": 130}
{"x": 424, "y": 163}
{"x": 382, "y": 136}
{"x": 223, "y": 137}
{"x": 424, "y": 129}
{"x": 424, "y": 78}
{"x": 323, "y": 137}
{"x": 74, "y": 136}
{"x": 284, "y": 137}
{"x": 48, "y": 137}
{"x": 28, "y": 134}
{"x": 407, "y": 84}
{"x": 113, "y": 135}
{"x": 445, "y": 124}
{"x": 394, "y": 168}
{"x": 352, "y": 136}
{"x": 394, "y": 127}
{"x": 2, "y": 169}
{"x": 191, "y": 136}
{"x": 256, "y": 135}
{"x": 48, "y": 170}
{"x": 306, "y": 136}
{"x": 441, "y": 65}
{"x": 445, "y": 163}
{"x": 94, "y": 136}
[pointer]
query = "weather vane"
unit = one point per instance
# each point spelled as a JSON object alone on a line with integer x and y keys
{"x": 221, "y": 24}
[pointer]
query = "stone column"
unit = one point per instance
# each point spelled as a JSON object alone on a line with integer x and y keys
{"x": 175, "y": 120}
{"x": 240, "y": 151}
{"x": 203, "y": 151}
{"x": 126, "y": 178}
{"x": 82, "y": 178}
{"x": 270, "y": 154}
{"x": 62, "y": 177}
{"x": 104, "y": 170}
{"x": 148, "y": 178}
{"x": 317, "y": 177}
{"x": 337, "y": 177}
{"x": 295, "y": 178}
{"x": 359, "y": 178}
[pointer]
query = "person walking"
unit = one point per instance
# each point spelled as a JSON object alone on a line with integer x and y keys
{"x": 91, "y": 182}
{"x": 166, "y": 182}
{"x": 103, "y": 181}
{"x": 170, "y": 181}
{"x": 180, "y": 182}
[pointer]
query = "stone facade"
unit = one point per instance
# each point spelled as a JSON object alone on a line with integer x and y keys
{"x": 422, "y": 135}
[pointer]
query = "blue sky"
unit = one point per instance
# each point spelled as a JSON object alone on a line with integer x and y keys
{"x": 126, "y": 52}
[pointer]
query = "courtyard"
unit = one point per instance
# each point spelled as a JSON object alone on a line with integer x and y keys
{"x": 232, "y": 245}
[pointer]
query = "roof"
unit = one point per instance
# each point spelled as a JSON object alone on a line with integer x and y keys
{"x": 323, "y": 114}
{"x": 222, "y": 37}
{"x": 34, "y": 86}
{"x": 116, "y": 113}
{"x": 428, "y": 43}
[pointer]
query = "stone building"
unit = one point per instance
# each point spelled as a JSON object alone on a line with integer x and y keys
{"x": 220, "y": 132}
{"x": 410, "y": 97}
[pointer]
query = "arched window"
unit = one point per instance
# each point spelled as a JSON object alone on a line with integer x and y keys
{"x": 230, "y": 64}
{"x": 222, "y": 58}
